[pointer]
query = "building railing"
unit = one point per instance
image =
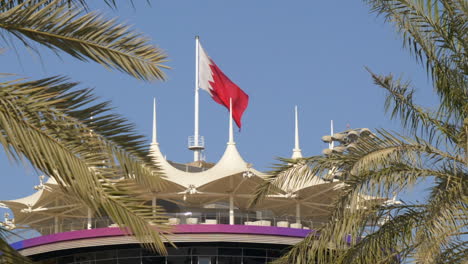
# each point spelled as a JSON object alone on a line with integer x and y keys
{"x": 241, "y": 219}
{"x": 205, "y": 218}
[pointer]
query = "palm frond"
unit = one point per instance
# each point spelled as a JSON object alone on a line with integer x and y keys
{"x": 9, "y": 255}
{"x": 43, "y": 122}
{"x": 8, "y": 4}
{"x": 399, "y": 103}
{"x": 390, "y": 243}
{"x": 455, "y": 253}
{"x": 435, "y": 31}
{"x": 85, "y": 36}
{"x": 377, "y": 166}
{"x": 441, "y": 225}
{"x": 283, "y": 178}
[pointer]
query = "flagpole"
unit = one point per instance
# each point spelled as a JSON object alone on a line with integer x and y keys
{"x": 196, "y": 143}
{"x": 196, "y": 154}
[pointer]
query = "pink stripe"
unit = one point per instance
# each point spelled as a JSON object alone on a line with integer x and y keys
{"x": 180, "y": 229}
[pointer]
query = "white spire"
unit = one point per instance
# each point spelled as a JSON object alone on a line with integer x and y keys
{"x": 154, "y": 139}
{"x": 231, "y": 128}
{"x": 296, "y": 150}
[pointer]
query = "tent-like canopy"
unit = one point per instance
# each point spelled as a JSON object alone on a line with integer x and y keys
{"x": 231, "y": 183}
{"x": 46, "y": 207}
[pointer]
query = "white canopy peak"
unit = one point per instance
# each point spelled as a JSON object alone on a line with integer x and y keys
{"x": 231, "y": 163}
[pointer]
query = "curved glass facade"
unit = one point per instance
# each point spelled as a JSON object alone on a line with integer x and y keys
{"x": 202, "y": 253}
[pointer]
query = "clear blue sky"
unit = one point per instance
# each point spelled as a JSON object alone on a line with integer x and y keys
{"x": 282, "y": 53}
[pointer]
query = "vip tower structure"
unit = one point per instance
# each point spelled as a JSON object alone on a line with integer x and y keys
{"x": 207, "y": 205}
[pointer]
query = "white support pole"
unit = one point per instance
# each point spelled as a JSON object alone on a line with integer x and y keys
{"x": 153, "y": 204}
{"x": 231, "y": 209}
{"x": 196, "y": 152}
{"x": 90, "y": 216}
{"x": 298, "y": 212}
{"x": 331, "y": 145}
{"x": 56, "y": 224}
{"x": 56, "y": 219}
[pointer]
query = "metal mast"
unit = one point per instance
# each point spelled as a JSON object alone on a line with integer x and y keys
{"x": 196, "y": 143}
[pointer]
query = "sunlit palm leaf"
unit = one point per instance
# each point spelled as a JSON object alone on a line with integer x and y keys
{"x": 86, "y": 36}
{"x": 428, "y": 231}
{"x": 8, "y": 255}
{"x": 50, "y": 126}
{"x": 8, "y": 4}
{"x": 436, "y": 33}
{"x": 381, "y": 165}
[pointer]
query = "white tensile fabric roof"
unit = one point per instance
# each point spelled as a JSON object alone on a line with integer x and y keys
{"x": 40, "y": 208}
{"x": 231, "y": 163}
{"x": 230, "y": 178}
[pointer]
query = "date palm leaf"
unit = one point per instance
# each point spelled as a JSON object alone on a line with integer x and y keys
{"x": 85, "y": 36}
{"x": 104, "y": 166}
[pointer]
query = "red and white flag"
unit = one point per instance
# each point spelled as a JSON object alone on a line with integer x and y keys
{"x": 220, "y": 87}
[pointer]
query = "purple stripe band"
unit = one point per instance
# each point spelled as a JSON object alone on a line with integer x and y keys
{"x": 179, "y": 229}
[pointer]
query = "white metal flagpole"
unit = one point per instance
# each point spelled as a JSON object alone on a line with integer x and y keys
{"x": 196, "y": 154}
{"x": 196, "y": 143}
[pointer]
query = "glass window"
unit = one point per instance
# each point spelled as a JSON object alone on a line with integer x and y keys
{"x": 207, "y": 251}
{"x": 255, "y": 252}
{"x": 229, "y": 260}
{"x": 273, "y": 253}
{"x": 203, "y": 260}
{"x": 129, "y": 253}
{"x": 179, "y": 260}
{"x": 136, "y": 260}
{"x": 107, "y": 261}
{"x": 183, "y": 251}
{"x": 84, "y": 257}
{"x": 248, "y": 260}
{"x": 147, "y": 252}
{"x": 106, "y": 254}
{"x": 153, "y": 260}
{"x": 66, "y": 260}
{"x": 230, "y": 251}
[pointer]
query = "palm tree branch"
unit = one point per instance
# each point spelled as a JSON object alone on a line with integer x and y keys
{"x": 440, "y": 38}
{"x": 441, "y": 225}
{"x": 412, "y": 115}
{"x": 87, "y": 36}
{"x": 26, "y": 130}
{"x": 9, "y": 255}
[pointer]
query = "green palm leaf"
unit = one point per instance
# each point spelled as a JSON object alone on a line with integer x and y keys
{"x": 86, "y": 36}
{"x": 435, "y": 31}
{"x": 45, "y": 123}
{"x": 429, "y": 231}
{"x": 8, "y": 255}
